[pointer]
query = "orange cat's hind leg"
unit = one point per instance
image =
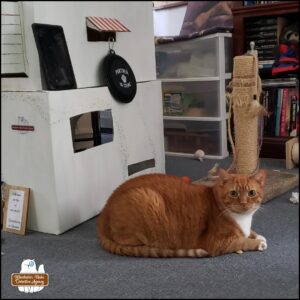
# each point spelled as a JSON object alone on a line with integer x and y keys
{"x": 191, "y": 253}
{"x": 127, "y": 240}
{"x": 138, "y": 219}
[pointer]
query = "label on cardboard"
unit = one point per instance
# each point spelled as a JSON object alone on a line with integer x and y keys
{"x": 22, "y": 127}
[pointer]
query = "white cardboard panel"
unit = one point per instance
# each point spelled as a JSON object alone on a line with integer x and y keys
{"x": 28, "y": 159}
{"x": 69, "y": 188}
{"x": 12, "y": 50}
{"x": 15, "y": 49}
{"x": 9, "y": 7}
{"x": 136, "y": 47}
{"x": 12, "y": 58}
{"x": 10, "y": 29}
{"x": 12, "y": 20}
{"x": 12, "y": 68}
{"x": 11, "y": 39}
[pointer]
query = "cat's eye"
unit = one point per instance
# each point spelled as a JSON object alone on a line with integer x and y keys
{"x": 233, "y": 194}
{"x": 252, "y": 193}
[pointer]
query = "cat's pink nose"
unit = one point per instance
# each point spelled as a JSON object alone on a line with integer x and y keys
{"x": 243, "y": 200}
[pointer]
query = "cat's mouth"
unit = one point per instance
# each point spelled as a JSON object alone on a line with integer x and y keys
{"x": 244, "y": 208}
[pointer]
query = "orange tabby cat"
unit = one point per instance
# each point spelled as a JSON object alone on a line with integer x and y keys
{"x": 160, "y": 215}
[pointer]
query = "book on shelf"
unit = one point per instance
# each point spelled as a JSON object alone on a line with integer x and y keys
{"x": 270, "y": 103}
{"x": 250, "y": 3}
{"x": 265, "y": 66}
{"x": 281, "y": 99}
{"x": 284, "y": 109}
{"x": 262, "y": 41}
{"x": 265, "y": 46}
{"x": 290, "y": 81}
{"x": 272, "y": 28}
{"x": 265, "y": 102}
{"x": 294, "y": 112}
{"x": 262, "y": 35}
{"x": 265, "y": 63}
{"x": 266, "y": 58}
{"x": 266, "y": 52}
{"x": 288, "y": 113}
{"x": 261, "y": 22}
{"x": 278, "y": 111}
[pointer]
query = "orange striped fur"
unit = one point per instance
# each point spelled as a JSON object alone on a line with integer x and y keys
{"x": 160, "y": 215}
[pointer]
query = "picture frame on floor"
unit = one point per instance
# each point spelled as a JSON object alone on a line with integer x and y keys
{"x": 15, "y": 210}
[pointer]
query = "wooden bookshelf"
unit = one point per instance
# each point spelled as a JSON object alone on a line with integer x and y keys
{"x": 241, "y": 12}
{"x": 272, "y": 147}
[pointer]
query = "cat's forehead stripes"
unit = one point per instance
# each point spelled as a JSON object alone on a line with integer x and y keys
{"x": 241, "y": 182}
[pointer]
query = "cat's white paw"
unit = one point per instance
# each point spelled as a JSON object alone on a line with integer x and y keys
{"x": 262, "y": 245}
{"x": 262, "y": 238}
{"x": 201, "y": 253}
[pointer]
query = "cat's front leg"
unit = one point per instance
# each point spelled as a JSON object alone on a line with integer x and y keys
{"x": 254, "y": 235}
{"x": 247, "y": 244}
{"x": 236, "y": 244}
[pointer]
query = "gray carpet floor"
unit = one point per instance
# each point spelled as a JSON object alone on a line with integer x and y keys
{"x": 79, "y": 268}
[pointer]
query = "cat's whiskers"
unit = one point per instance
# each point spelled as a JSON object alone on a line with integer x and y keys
{"x": 260, "y": 209}
{"x": 251, "y": 210}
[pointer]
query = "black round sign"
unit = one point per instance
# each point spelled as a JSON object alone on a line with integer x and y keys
{"x": 120, "y": 77}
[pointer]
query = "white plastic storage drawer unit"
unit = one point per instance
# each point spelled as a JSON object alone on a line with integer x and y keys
{"x": 198, "y": 57}
{"x": 194, "y": 74}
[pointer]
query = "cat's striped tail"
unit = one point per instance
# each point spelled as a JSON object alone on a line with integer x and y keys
{"x": 145, "y": 251}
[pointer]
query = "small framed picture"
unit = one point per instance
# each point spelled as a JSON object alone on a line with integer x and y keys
{"x": 16, "y": 200}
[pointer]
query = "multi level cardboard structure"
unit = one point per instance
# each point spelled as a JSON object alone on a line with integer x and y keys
{"x": 69, "y": 187}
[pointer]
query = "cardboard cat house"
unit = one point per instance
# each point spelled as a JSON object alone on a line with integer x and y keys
{"x": 69, "y": 140}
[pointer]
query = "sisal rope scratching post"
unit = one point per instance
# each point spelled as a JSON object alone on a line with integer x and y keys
{"x": 244, "y": 102}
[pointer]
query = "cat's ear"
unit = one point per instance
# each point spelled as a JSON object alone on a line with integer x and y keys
{"x": 260, "y": 177}
{"x": 223, "y": 176}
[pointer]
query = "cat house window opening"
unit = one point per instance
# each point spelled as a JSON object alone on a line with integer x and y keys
{"x": 91, "y": 129}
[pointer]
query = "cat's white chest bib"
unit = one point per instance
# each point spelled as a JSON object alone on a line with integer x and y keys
{"x": 244, "y": 221}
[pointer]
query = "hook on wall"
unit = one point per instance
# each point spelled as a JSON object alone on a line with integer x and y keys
{"x": 111, "y": 43}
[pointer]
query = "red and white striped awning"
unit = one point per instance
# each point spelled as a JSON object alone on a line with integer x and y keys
{"x": 106, "y": 24}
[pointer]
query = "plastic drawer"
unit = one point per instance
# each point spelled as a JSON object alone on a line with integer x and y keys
{"x": 189, "y": 136}
{"x": 198, "y": 57}
{"x": 191, "y": 99}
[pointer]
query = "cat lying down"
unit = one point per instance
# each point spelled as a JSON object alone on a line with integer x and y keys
{"x": 160, "y": 215}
